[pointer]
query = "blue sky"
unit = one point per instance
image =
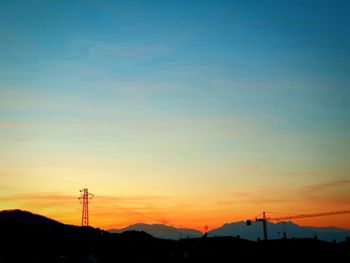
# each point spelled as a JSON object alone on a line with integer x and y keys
{"x": 213, "y": 94}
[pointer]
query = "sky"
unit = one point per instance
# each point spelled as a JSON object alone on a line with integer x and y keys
{"x": 186, "y": 113}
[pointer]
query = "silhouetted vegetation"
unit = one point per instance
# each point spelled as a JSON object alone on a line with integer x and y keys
{"x": 26, "y": 237}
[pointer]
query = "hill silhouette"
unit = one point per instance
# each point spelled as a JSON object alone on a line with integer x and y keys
{"x": 161, "y": 231}
{"x": 25, "y": 217}
{"x": 26, "y": 237}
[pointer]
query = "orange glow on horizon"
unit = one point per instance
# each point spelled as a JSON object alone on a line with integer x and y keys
{"x": 119, "y": 212}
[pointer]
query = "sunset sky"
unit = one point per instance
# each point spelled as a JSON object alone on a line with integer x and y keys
{"x": 187, "y": 113}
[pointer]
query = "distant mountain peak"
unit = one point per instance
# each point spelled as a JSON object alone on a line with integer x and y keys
{"x": 161, "y": 231}
{"x": 278, "y": 230}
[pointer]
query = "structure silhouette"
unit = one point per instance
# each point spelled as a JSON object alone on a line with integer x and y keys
{"x": 84, "y": 198}
{"x": 264, "y": 218}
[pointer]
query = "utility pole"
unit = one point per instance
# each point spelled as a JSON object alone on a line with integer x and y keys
{"x": 84, "y": 198}
{"x": 265, "y": 226}
{"x": 263, "y": 219}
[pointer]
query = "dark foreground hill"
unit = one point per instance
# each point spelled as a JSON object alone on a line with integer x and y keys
{"x": 26, "y": 237}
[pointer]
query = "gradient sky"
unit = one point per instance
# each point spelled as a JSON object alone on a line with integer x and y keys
{"x": 187, "y": 113}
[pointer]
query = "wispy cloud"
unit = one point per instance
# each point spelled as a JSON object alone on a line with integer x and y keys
{"x": 335, "y": 192}
{"x": 107, "y": 210}
{"x": 49, "y": 198}
{"x": 109, "y": 50}
{"x": 13, "y": 139}
{"x": 330, "y": 185}
{"x": 327, "y": 194}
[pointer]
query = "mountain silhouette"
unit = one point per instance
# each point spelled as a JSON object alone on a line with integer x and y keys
{"x": 27, "y": 237}
{"x": 161, "y": 231}
{"x": 252, "y": 232}
{"x": 280, "y": 230}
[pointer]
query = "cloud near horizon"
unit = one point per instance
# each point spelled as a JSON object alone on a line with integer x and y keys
{"x": 122, "y": 210}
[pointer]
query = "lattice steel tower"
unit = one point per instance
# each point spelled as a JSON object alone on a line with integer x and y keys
{"x": 84, "y": 198}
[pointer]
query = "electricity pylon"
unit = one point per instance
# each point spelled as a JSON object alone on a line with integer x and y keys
{"x": 84, "y": 198}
